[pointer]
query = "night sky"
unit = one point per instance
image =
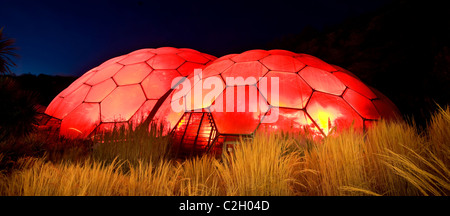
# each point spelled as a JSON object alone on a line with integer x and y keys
{"x": 70, "y": 37}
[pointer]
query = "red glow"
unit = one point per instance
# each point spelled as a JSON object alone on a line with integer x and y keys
{"x": 123, "y": 89}
{"x": 313, "y": 96}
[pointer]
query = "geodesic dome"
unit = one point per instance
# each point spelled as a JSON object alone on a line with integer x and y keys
{"x": 125, "y": 89}
{"x": 312, "y": 96}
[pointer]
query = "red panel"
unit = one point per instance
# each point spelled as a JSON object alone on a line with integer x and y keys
{"x": 81, "y": 121}
{"x": 132, "y": 74}
{"x": 231, "y": 121}
{"x": 245, "y": 70}
{"x": 315, "y": 62}
{"x": 104, "y": 74}
{"x": 137, "y": 58}
{"x": 321, "y": 80}
{"x": 361, "y": 104}
{"x": 342, "y": 70}
{"x": 281, "y": 52}
{"x": 71, "y": 101}
{"x": 158, "y": 83}
{"x": 293, "y": 91}
{"x": 188, "y": 68}
{"x": 210, "y": 57}
{"x": 53, "y": 106}
{"x": 187, "y": 50}
{"x": 122, "y": 103}
{"x": 226, "y": 57}
{"x": 282, "y": 63}
{"x": 193, "y": 57}
{"x": 165, "y": 50}
{"x": 110, "y": 61}
{"x": 143, "y": 112}
{"x": 208, "y": 95}
{"x": 184, "y": 86}
{"x": 166, "y": 116}
{"x": 386, "y": 107}
{"x": 330, "y": 112}
{"x": 76, "y": 84}
{"x": 100, "y": 91}
{"x": 145, "y": 50}
{"x": 355, "y": 84}
{"x": 166, "y": 61}
{"x": 217, "y": 68}
{"x": 251, "y": 55}
{"x": 289, "y": 120}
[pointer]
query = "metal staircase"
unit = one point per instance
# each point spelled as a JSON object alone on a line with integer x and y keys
{"x": 194, "y": 134}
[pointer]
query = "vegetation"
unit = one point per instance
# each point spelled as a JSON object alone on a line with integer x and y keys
{"x": 393, "y": 158}
{"x": 6, "y": 52}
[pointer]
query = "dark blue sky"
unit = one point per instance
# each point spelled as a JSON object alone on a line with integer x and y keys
{"x": 70, "y": 37}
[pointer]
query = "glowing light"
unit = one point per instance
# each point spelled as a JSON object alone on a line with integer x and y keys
{"x": 324, "y": 121}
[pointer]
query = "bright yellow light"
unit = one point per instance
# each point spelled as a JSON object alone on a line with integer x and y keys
{"x": 324, "y": 121}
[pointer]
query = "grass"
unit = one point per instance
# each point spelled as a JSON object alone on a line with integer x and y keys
{"x": 393, "y": 159}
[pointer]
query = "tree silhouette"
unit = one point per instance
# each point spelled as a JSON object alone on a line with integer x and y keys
{"x": 6, "y": 53}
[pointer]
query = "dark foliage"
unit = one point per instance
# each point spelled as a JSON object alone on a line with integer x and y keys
{"x": 6, "y": 52}
{"x": 17, "y": 109}
{"x": 402, "y": 49}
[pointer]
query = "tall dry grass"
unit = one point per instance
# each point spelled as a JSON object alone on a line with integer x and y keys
{"x": 393, "y": 158}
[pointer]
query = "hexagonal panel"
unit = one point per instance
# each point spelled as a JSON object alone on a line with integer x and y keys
{"x": 165, "y": 50}
{"x": 70, "y": 102}
{"x": 315, "y": 62}
{"x": 76, "y": 84}
{"x": 188, "y": 68}
{"x": 385, "y": 107}
{"x": 166, "y": 116}
{"x": 237, "y": 110}
{"x": 355, "y": 84}
{"x": 287, "y": 120}
{"x": 122, "y": 103}
{"x": 343, "y": 70}
{"x": 158, "y": 83}
{"x": 81, "y": 121}
{"x": 204, "y": 93}
{"x": 110, "y": 61}
{"x": 217, "y": 67}
{"x": 330, "y": 112}
{"x": 166, "y": 61}
{"x": 104, "y": 74}
{"x": 53, "y": 106}
{"x": 251, "y": 55}
{"x": 361, "y": 104}
{"x": 282, "y": 52}
{"x": 253, "y": 70}
{"x": 282, "y": 63}
{"x": 193, "y": 57}
{"x": 321, "y": 80}
{"x": 132, "y": 74}
{"x": 100, "y": 91}
{"x": 137, "y": 58}
{"x": 293, "y": 92}
{"x": 141, "y": 115}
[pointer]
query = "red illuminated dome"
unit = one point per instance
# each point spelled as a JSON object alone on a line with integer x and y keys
{"x": 312, "y": 95}
{"x": 122, "y": 90}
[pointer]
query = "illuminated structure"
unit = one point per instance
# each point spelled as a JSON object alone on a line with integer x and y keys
{"x": 126, "y": 89}
{"x": 312, "y": 96}
{"x": 235, "y": 95}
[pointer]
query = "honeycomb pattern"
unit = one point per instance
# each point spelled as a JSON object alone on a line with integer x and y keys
{"x": 123, "y": 89}
{"x": 313, "y": 96}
